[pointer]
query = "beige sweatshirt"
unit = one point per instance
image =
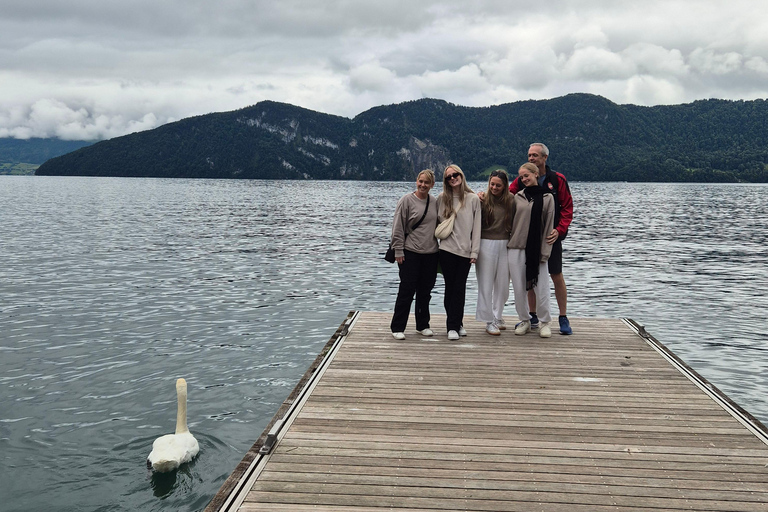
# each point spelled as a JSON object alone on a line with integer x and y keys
{"x": 522, "y": 219}
{"x": 408, "y": 211}
{"x": 464, "y": 241}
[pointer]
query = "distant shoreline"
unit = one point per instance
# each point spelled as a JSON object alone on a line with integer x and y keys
{"x": 471, "y": 180}
{"x": 18, "y": 169}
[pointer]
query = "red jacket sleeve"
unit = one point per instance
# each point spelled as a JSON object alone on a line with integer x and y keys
{"x": 566, "y": 205}
{"x": 513, "y": 187}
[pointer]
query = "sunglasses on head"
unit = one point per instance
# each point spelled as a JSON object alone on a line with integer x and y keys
{"x": 498, "y": 173}
{"x": 449, "y": 177}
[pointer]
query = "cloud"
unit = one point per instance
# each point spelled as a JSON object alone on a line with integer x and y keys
{"x": 593, "y": 63}
{"x": 94, "y": 69}
{"x": 650, "y": 90}
{"x": 758, "y": 65}
{"x": 710, "y": 62}
{"x": 371, "y": 76}
{"x": 655, "y": 60}
{"x": 53, "y": 118}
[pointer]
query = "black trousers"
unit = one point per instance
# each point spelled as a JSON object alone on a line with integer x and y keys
{"x": 418, "y": 273}
{"x": 455, "y": 272}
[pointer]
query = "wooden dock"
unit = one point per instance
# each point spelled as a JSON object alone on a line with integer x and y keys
{"x": 605, "y": 419}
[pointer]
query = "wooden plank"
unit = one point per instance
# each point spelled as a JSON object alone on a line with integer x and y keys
{"x": 372, "y": 496}
{"x": 595, "y": 421}
{"x": 675, "y": 477}
{"x": 453, "y": 443}
{"x": 599, "y": 494}
{"x": 489, "y": 477}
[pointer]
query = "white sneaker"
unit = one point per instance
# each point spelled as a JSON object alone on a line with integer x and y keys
{"x": 500, "y": 324}
{"x": 462, "y": 331}
{"x": 544, "y": 330}
{"x": 398, "y": 335}
{"x": 523, "y": 327}
{"x": 426, "y": 332}
{"x": 491, "y": 329}
{"x": 453, "y": 335}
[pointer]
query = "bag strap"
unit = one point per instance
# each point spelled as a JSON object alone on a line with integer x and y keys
{"x": 422, "y": 217}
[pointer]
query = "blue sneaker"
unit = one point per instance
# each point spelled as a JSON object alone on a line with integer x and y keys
{"x": 565, "y": 325}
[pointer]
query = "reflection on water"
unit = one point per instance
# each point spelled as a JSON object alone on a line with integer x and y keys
{"x": 113, "y": 288}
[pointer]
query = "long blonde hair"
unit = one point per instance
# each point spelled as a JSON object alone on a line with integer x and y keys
{"x": 490, "y": 201}
{"x": 448, "y": 191}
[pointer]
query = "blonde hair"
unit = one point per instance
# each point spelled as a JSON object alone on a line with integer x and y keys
{"x": 429, "y": 173}
{"x": 448, "y": 191}
{"x": 529, "y": 166}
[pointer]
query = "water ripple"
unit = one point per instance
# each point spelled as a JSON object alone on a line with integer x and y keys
{"x": 113, "y": 288}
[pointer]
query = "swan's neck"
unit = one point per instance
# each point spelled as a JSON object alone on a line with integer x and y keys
{"x": 181, "y": 409}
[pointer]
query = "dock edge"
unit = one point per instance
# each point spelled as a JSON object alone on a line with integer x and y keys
{"x": 226, "y": 499}
{"x": 740, "y": 414}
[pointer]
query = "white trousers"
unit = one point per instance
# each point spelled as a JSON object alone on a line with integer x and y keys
{"x": 517, "y": 276}
{"x": 492, "y": 269}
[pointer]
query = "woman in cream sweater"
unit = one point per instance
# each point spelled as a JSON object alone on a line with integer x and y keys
{"x": 460, "y": 249}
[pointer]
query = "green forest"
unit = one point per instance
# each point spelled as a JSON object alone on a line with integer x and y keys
{"x": 23, "y": 156}
{"x": 590, "y": 139}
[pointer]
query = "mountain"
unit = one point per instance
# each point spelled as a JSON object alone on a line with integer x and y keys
{"x": 589, "y": 137}
{"x": 23, "y": 156}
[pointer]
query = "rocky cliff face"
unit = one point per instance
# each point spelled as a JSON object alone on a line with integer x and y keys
{"x": 422, "y": 154}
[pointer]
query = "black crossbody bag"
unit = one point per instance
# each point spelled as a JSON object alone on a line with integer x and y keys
{"x": 390, "y": 254}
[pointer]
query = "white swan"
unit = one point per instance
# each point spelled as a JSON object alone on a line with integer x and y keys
{"x": 172, "y": 450}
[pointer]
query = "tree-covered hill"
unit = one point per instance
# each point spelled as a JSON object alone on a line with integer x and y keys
{"x": 22, "y": 156}
{"x": 589, "y": 137}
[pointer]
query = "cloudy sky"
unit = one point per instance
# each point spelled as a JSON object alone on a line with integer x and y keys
{"x": 94, "y": 69}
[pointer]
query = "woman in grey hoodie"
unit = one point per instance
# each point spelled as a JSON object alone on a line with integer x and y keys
{"x": 415, "y": 245}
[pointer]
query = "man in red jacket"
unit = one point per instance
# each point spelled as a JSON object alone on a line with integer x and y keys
{"x": 558, "y": 185}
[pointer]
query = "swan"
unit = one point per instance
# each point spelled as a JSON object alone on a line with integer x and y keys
{"x": 172, "y": 450}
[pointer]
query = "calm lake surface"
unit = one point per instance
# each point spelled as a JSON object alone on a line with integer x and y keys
{"x": 112, "y": 288}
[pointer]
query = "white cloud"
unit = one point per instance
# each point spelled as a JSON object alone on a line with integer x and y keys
{"x": 649, "y": 90}
{"x": 371, "y": 76}
{"x": 592, "y": 63}
{"x": 655, "y": 60}
{"x": 53, "y": 118}
{"x": 89, "y": 68}
{"x": 707, "y": 61}
{"x": 450, "y": 84}
{"x": 758, "y": 65}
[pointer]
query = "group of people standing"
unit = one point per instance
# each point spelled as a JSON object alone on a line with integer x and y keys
{"x": 511, "y": 232}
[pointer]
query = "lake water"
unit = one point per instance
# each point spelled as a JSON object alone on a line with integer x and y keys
{"x": 112, "y": 288}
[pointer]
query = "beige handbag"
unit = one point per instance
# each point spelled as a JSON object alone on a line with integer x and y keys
{"x": 445, "y": 228}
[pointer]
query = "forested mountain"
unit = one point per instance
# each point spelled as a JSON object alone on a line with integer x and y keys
{"x": 589, "y": 137}
{"x": 17, "y": 155}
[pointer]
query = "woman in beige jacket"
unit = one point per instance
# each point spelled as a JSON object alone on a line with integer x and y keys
{"x": 528, "y": 250}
